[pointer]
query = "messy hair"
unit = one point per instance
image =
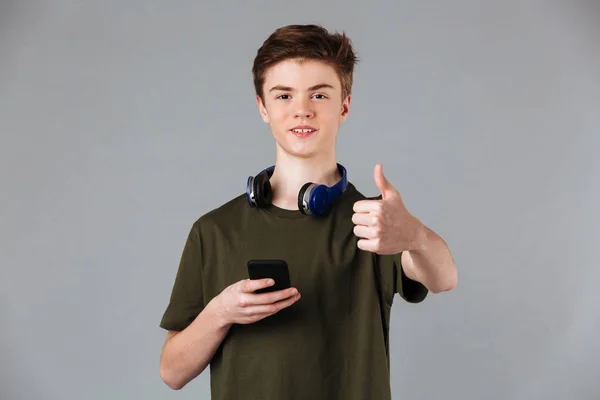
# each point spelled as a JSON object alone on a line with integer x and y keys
{"x": 306, "y": 42}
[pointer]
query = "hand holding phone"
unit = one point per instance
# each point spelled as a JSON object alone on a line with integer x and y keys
{"x": 267, "y": 291}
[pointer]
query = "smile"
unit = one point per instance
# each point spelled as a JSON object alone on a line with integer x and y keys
{"x": 303, "y": 130}
{"x": 303, "y": 133}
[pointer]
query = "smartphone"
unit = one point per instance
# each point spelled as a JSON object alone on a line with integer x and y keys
{"x": 274, "y": 269}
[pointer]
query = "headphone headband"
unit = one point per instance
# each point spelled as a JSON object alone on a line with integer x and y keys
{"x": 313, "y": 199}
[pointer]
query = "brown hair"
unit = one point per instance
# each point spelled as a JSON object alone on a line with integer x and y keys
{"x": 306, "y": 42}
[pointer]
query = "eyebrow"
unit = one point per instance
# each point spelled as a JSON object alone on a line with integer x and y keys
{"x": 289, "y": 89}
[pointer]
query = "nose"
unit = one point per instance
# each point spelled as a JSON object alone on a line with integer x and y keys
{"x": 304, "y": 108}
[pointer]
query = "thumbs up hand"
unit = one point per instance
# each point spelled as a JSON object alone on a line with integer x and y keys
{"x": 385, "y": 226}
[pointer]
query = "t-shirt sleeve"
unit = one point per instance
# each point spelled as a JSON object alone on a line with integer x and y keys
{"x": 394, "y": 280}
{"x": 410, "y": 290}
{"x": 186, "y": 300}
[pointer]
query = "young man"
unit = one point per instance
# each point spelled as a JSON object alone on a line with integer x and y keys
{"x": 327, "y": 336}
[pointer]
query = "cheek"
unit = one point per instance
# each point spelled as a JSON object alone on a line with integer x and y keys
{"x": 280, "y": 114}
{"x": 331, "y": 110}
{"x": 330, "y": 116}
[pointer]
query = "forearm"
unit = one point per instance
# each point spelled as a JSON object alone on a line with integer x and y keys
{"x": 188, "y": 353}
{"x": 430, "y": 262}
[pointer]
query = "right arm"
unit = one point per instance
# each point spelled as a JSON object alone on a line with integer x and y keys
{"x": 187, "y": 353}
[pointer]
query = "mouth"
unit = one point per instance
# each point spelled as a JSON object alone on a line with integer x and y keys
{"x": 304, "y": 131}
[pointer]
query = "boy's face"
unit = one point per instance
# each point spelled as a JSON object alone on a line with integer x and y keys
{"x": 303, "y": 94}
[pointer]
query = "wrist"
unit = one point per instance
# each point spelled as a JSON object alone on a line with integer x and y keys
{"x": 420, "y": 237}
{"x": 215, "y": 310}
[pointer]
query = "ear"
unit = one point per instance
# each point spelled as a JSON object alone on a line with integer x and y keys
{"x": 345, "y": 108}
{"x": 262, "y": 109}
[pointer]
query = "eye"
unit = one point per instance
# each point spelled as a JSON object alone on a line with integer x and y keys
{"x": 322, "y": 95}
{"x": 283, "y": 96}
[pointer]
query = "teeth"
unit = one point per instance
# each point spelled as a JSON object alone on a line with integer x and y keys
{"x": 303, "y": 130}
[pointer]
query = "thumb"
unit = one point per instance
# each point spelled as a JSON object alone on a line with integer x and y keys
{"x": 382, "y": 183}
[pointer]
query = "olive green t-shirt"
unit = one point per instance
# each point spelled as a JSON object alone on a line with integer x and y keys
{"x": 332, "y": 343}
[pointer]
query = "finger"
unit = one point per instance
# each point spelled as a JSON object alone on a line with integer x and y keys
{"x": 263, "y": 310}
{"x": 380, "y": 180}
{"x": 385, "y": 187}
{"x": 365, "y": 232}
{"x": 368, "y": 244}
{"x": 270, "y": 297}
{"x": 366, "y": 206}
{"x": 364, "y": 219}
{"x": 251, "y": 285}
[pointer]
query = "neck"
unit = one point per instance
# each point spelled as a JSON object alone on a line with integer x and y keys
{"x": 291, "y": 173}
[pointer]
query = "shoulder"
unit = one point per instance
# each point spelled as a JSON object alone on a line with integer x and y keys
{"x": 352, "y": 195}
{"x": 225, "y": 216}
{"x": 355, "y": 194}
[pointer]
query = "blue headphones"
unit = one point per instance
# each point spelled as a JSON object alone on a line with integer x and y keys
{"x": 313, "y": 199}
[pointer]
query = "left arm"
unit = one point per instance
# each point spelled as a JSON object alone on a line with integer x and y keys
{"x": 428, "y": 260}
{"x": 385, "y": 226}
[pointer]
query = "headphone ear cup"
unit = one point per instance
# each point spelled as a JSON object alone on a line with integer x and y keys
{"x": 249, "y": 187}
{"x": 263, "y": 194}
{"x": 301, "y": 194}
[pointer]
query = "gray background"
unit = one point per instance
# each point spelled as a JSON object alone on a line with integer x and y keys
{"x": 122, "y": 122}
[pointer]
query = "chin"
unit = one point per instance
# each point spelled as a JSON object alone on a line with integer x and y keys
{"x": 300, "y": 153}
{"x": 298, "y": 150}
{"x": 304, "y": 148}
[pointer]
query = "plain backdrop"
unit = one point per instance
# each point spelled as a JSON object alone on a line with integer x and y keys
{"x": 123, "y": 121}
